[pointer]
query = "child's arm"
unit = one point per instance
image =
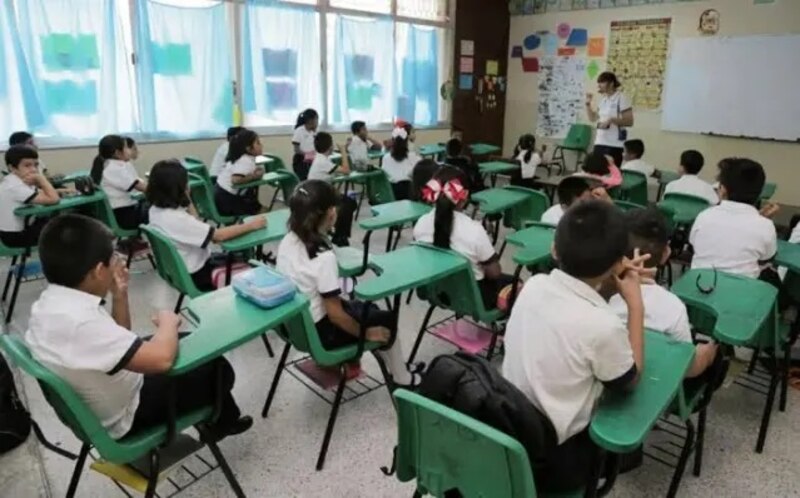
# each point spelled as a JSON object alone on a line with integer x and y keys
{"x": 345, "y": 166}
{"x": 46, "y": 195}
{"x": 231, "y": 232}
{"x": 614, "y": 176}
{"x": 339, "y": 317}
{"x": 296, "y": 146}
{"x": 703, "y": 358}
{"x": 120, "y": 309}
{"x": 158, "y": 354}
{"x": 255, "y": 175}
{"x": 141, "y": 185}
{"x": 631, "y": 292}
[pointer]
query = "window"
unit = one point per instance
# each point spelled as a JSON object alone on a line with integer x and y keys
{"x": 418, "y": 56}
{"x": 435, "y": 10}
{"x": 15, "y": 80}
{"x": 379, "y": 6}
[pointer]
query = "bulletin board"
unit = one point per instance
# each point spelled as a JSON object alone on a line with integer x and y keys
{"x": 637, "y": 54}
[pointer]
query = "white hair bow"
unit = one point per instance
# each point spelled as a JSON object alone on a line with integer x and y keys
{"x": 400, "y": 133}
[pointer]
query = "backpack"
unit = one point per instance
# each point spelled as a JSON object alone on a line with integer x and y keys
{"x": 15, "y": 421}
{"x": 472, "y": 386}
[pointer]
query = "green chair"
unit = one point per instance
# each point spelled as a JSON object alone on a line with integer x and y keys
{"x": 170, "y": 266}
{"x": 522, "y": 215}
{"x": 203, "y": 199}
{"x": 634, "y": 187}
{"x": 80, "y": 419}
{"x": 686, "y": 207}
{"x": 16, "y": 272}
{"x": 578, "y": 140}
{"x": 379, "y": 190}
{"x": 626, "y": 206}
{"x": 105, "y": 214}
{"x": 285, "y": 185}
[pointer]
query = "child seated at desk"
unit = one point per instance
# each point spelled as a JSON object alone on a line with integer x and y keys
{"x": 601, "y": 167}
{"x": 219, "y": 159}
{"x": 322, "y": 168}
{"x": 398, "y": 164}
{"x": 570, "y": 190}
{"x": 448, "y": 227}
{"x": 307, "y": 258}
{"x": 115, "y": 174}
{"x": 689, "y": 183}
{"x": 240, "y": 168}
{"x": 632, "y": 153}
{"x": 529, "y": 159}
{"x": 420, "y": 176}
{"x": 119, "y": 375}
{"x": 564, "y": 343}
{"x": 172, "y": 212}
{"x": 24, "y": 185}
{"x": 456, "y": 157}
{"x": 359, "y": 146}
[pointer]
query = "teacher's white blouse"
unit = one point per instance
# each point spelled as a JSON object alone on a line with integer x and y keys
{"x": 611, "y": 106}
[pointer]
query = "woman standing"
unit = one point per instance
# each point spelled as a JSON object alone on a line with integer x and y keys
{"x": 613, "y": 116}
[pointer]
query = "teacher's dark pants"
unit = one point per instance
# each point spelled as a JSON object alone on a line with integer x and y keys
{"x": 615, "y": 152}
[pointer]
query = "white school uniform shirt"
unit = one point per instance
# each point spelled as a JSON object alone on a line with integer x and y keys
{"x": 467, "y": 238}
{"x": 72, "y": 334}
{"x": 399, "y": 171}
{"x": 316, "y": 277}
{"x": 663, "y": 312}
{"x": 562, "y": 342}
{"x": 693, "y": 185}
{"x": 245, "y": 165}
{"x": 119, "y": 180}
{"x": 192, "y": 237}
{"x": 643, "y": 167}
{"x": 611, "y": 106}
{"x": 14, "y": 193}
{"x": 304, "y": 138}
{"x": 733, "y": 237}
{"x": 553, "y": 214}
{"x": 321, "y": 168}
{"x": 359, "y": 149}
{"x": 218, "y": 162}
{"x": 528, "y": 168}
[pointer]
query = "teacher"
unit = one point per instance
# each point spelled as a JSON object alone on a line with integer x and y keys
{"x": 613, "y": 116}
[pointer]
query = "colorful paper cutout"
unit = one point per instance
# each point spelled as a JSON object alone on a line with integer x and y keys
{"x": 563, "y": 30}
{"x": 468, "y": 47}
{"x": 592, "y": 69}
{"x": 550, "y": 44}
{"x": 578, "y": 37}
{"x": 467, "y": 65}
{"x": 465, "y": 82}
{"x": 597, "y": 46}
{"x": 516, "y": 52}
{"x": 566, "y": 50}
{"x": 530, "y": 64}
{"x": 532, "y": 42}
{"x": 492, "y": 67}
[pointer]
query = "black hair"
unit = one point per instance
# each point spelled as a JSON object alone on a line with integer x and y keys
{"x": 357, "y": 126}
{"x": 421, "y": 174}
{"x": 323, "y": 142}
{"x": 166, "y": 187}
{"x": 591, "y": 237}
{"x": 131, "y": 143}
{"x": 72, "y": 245}
{"x": 109, "y": 145}
{"x": 526, "y": 142}
{"x": 19, "y": 138}
{"x": 596, "y": 163}
{"x": 743, "y": 179}
{"x": 16, "y": 153}
{"x": 454, "y": 147}
{"x": 239, "y": 145}
{"x": 455, "y": 128}
{"x": 233, "y": 131}
{"x": 648, "y": 232}
{"x": 305, "y": 117}
{"x": 571, "y": 188}
{"x": 635, "y": 147}
{"x": 609, "y": 77}
{"x": 400, "y": 148}
{"x": 692, "y": 161}
{"x": 444, "y": 207}
{"x": 308, "y": 206}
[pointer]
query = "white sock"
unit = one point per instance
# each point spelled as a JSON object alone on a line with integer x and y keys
{"x": 396, "y": 364}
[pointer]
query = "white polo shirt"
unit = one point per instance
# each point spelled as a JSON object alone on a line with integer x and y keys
{"x": 643, "y": 167}
{"x": 399, "y": 171}
{"x": 611, "y": 106}
{"x": 244, "y": 166}
{"x": 553, "y": 214}
{"x": 304, "y": 137}
{"x": 733, "y": 237}
{"x": 119, "y": 180}
{"x": 467, "y": 238}
{"x": 562, "y": 342}
{"x": 359, "y": 149}
{"x": 693, "y": 185}
{"x": 192, "y": 237}
{"x": 663, "y": 312}
{"x": 322, "y": 168}
{"x": 316, "y": 277}
{"x": 72, "y": 334}
{"x": 218, "y": 162}
{"x": 528, "y": 168}
{"x": 14, "y": 193}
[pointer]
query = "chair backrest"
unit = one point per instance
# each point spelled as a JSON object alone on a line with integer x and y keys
{"x": 276, "y": 164}
{"x": 634, "y": 187}
{"x": 530, "y": 210}
{"x": 627, "y": 206}
{"x": 579, "y": 137}
{"x": 379, "y": 190}
{"x": 686, "y": 199}
{"x": 169, "y": 264}
{"x": 203, "y": 199}
{"x": 105, "y": 213}
{"x": 198, "y": 172}
{"x": 444, "y": 449}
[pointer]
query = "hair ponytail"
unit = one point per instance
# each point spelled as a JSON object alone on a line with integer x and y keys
{"x": 308, "y": 207}
{"x": 239, "y": 145}
{"x": 305, "y": 116}
{"x": 444, "y": 208}
{"x": 527, "y": 143}
{"x": 399, "y": 149}
{"x": 107, "y": 148}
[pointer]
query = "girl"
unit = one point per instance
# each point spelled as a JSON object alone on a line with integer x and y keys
{"x": 133, "y": 149}
{"x": 448, "y": 227}
{"x": 420, "y": 176}
{"x": 303, "y": 142}
{"x": 115, "y": 174}
{"x": 306, "y": 257}
{"x": 529, "y": 159}
{"x": 603, "y": 168}
{"x": 172, "y": 212}
{"x": 239, "y": 168}
{"x": 398, "y": 164}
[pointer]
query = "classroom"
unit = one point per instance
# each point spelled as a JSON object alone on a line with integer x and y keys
{"x": 392, "y": 248}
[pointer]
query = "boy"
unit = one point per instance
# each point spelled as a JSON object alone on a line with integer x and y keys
{"x": 689, "y": 183}
{"x": 24, "y": 185}
{"x": 632, "y": 159}
{"x": 570, "y": 190}
{"x": 455, "y": 157}
{"x": 733, "y": 237}
{"x": 664, "y": 312}
{"x": 564, "y": 343}
{"x": 25, "y": 138}
{"x": 322, "y": 168}
{"x": 359, "y": 145}
{"x": 218, "y": 162}
{"x": 456, "y": 133}
{"x": 113, "y": 370}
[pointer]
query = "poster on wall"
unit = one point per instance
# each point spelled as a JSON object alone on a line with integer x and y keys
{"x": 637, "y": 54}
{"x": 561, "y": 94}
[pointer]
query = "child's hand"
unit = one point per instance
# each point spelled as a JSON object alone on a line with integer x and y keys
{"x": 259, "y": 172}
{"x": 167, "y": 319}
{"x": 646, "y": 275}
{"x": 120, "y": 277}
{"x": 629, "y": 287}
{"x": 604, "y": 125}
{"x": 589, "y": 98}
{"x": 769, "y": 209}
{"x": 257, "y": 222}
{"x": 601, "y": 194}
{"x": 378, "y": 334}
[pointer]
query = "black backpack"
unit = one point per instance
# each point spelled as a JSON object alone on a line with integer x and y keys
{"x": 15, "y": 421}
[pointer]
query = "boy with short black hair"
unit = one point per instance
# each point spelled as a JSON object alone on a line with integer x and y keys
{"x": 632, "y": 159}
{"x": 570, "y": 190}
{"x": 564, "y": 343}
{"x": 359, "y": 146}
{"x": 689, "y": 183}
{"x": 26, "y": 138}
{"x": 322, "y": 168}
{"x": 114, "y": 371}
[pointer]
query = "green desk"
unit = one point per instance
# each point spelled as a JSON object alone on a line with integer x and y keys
{"x": 539, "y": 236}
{"x": 70, "y": 178}
{"x": 480, "y": 149}
{"x": 431, "y": 150}
{"x": 65, "y": 203}
{"x": 494, "y": 168}
{"x": 226, "y": 322}
{"x": 276, "y": 229}
{"x": 268, "y": 178}
{"x": 264, "y": 160}
{"x": 193, "y": 166}
{"x": 768, "y": 191}
{"x": 665, "y": 177}
{"x": 356, "y": 176}
{"x": 685, "y": 212}
{"x": 392, "y": 215}
{"x": 788, "y": 255}
{"x": 376, "y": 154}
{"x": 497, "y": 201}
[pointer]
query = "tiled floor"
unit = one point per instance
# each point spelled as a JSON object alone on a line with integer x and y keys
{"x": 276, "y": 458}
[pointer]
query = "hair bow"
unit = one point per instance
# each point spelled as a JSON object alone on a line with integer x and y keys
{"x": 453, "y": 190}
{"x": 400, "y": 133}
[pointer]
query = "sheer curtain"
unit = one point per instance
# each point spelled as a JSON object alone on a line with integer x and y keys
{"x": 184, "y": 66}
{"x": 16, "y": 83}
{"x": 281, "y": 62}
{"x": 418, "y": 73}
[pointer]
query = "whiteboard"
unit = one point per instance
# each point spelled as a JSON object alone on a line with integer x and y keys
{"x": 738, "y": 86}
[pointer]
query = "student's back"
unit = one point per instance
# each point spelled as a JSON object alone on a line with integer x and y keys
{"x": 689, "y": 183}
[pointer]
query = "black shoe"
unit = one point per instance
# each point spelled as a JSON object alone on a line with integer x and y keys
{"x": 219, "y": 432}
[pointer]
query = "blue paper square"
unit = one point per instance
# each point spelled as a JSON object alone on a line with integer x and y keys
{"x": 465, "y": 82}
{"x": 578, "y": 38}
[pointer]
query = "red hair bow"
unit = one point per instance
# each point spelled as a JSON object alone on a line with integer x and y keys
{"x": 453, "y": 190}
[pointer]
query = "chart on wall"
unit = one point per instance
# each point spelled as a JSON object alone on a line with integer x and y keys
{"x": 528, "y": 7}
{"x": 637, "y": 54}
{"x": 561, "y": 94}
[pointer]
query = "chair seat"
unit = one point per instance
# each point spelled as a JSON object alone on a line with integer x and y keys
{"x": 331, "y": 358}
{"x": 351, "y": 261}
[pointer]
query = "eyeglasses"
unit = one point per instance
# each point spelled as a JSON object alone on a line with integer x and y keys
{"x": 702, "y": 288}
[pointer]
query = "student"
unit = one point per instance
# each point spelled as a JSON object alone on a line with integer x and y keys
{"x": 525, "y": 153}
{"x": 303, "y": 141}
{"x": 457, "y": 133}
{"x": 412, "y": 134}
{"x": 172, "y": 212}
{"x": 663, "y": 310}
{"x": 601, "y": 167}
{"x": 119, "y": 375}
{"x": 133, "y": 149}
{"x": 220, "y": 156}
{"x": 448, "y": 227}
{"x": 564, "y": 343}
{"x": 25, "y": 138}
{"x": 455, "y": 157}
{"x": 115, "y": 174}
{"x": 420, "y": 176}
{"x": 398, "y": 164}
{"x": 23, "y": 185}
{"x": 322, "y": 168}
{"x": 570, "y": 190}
{"x": 733, "y": 237}
{"x": 360, "y": 145}
{"x": 632, "y": 160}
{"x": 306, "y": 257}
{"x": 689, "y": 183}
{"x": 240, "y": 168}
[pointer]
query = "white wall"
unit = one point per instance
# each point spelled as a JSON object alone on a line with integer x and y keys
{"x": 738, "y": 17}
